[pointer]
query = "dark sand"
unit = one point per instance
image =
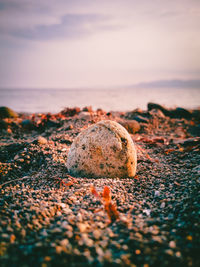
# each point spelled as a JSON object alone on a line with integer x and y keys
{"x": 46, "y": 222}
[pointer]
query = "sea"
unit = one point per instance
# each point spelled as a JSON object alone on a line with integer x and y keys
{"x": 55, "y": 100}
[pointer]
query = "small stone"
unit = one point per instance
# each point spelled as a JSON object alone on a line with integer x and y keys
{"x": 197, "y": 169}
{"x": 172, "y": 244}
{"x": 99, "y": 251}
{"x": 59, "y": 249}
{"x": 79, "y": 217}
{"x": 44, "y": 233}
{"x": 147, "y": 212}
{"x": 41, "y": 140}
{"x": 88, "y": 242}
{"x": 23, "y": 233}
{"x": 157, "y": 193}
{"x": 132, "y": 126}
{"x": 5, "y": 236}
{"x": 170, "y": 216}
{"x": 47, "y": 258}
{"x": 189, "y": 237}
{"x": 137, "y": 252}
{"x": 69, "y": 234}
{"x": 64, "y": 242}
{"x": 178, "y": 254}
{"x": 97, "y": 234}
{"x": 16, "y": 157}
{"x": 82, "y": 227}
{"x": 105, "y": 149}
{"x": 162, "y": 205}
{"x": 56, "y": 230}
{"x": 84, "y": 115}
{"x": 169, "y": 252}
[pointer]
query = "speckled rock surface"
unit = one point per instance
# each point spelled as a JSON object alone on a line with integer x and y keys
{"x": 103, "y": 150}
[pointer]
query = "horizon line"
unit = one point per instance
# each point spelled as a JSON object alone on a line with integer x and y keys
{"x": 161, "y": 83}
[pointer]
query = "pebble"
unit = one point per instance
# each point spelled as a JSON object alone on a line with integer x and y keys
{"x": 97, "y": 234}
{"x": 157, "y": 193}
{"x": 162, "y": 205}
{"x": 172, "y": 244}
{"x": 64, "y": 242}
{"x": 82, "y": 227}
{"x": 41, "y": 140}
{"x": 132, "y": 126}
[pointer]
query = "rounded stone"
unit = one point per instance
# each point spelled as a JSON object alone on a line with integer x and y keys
{"x": 105, "y": 149}
{"x": 6, "y": 112}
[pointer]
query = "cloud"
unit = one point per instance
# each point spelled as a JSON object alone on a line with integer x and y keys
{"x": 51, "y": 20}
{"x": 84, "y": 42}
{"x": 70, "y": 26}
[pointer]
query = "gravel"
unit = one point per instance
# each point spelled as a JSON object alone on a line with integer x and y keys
{"x": 49, "y": 218}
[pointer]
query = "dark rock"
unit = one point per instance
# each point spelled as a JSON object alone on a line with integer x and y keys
{"x": 6, "y": 112}
{"x": 165, "y": 111}
{"x": 138, "y": 115}
{"x": 51, "y": 123}
{"x": 181, "y": 113}
{"x": 28, "y": 124}
{"x": 173, "y": 113}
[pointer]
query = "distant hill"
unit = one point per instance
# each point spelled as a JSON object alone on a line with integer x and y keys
{"x": 168, "y": 84}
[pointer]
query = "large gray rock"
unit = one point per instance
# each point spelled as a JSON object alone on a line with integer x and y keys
{"x": 105, "y": 149}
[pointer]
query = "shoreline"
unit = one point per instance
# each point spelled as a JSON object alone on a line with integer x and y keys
{"x": 50, "y": 218}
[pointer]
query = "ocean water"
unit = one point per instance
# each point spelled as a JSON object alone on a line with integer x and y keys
{"x": 54, "y": 100}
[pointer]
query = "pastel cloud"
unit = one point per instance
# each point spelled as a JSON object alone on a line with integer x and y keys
{"x": 90, "y": 42}
{"x": 70, "y": 26}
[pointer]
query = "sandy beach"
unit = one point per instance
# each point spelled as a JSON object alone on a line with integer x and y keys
{"x": 50, "y": 218}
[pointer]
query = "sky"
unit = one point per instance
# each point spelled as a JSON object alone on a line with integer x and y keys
{"x": 104, "y": 43}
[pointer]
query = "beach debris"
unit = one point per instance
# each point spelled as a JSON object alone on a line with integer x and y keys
{"x": 105, "y": 198}
{"x": 47, "y": 121}
{"x": 6, "y": 112}
{"x": 70, "y": 112}
{"x": 63, "y": 182}
{"x": 105, "y": 149}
